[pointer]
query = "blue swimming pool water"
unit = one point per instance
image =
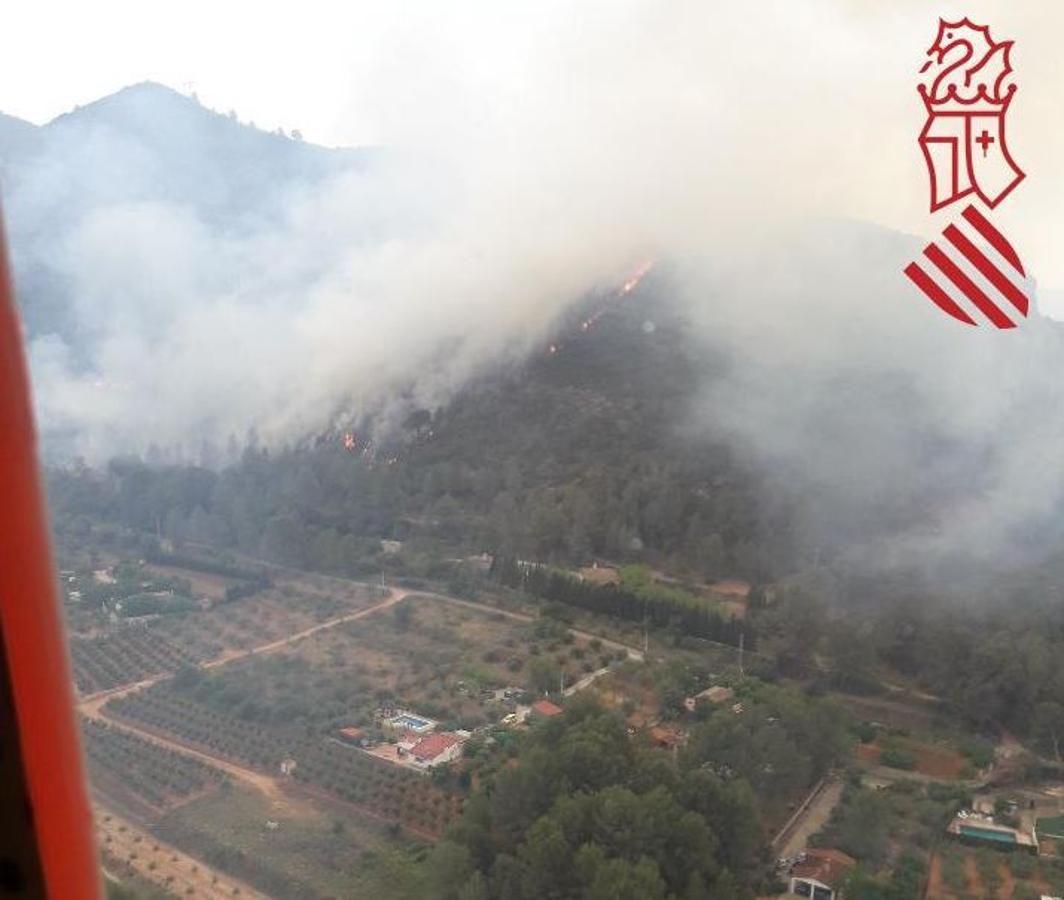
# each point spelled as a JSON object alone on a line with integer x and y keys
{"x": 410, "y": 721}
{"x": 989, "y": 834}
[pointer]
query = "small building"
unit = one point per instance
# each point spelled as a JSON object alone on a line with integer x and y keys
{"x": 391, "y": 548}
{"x": 481, "y": 562}
{"x": 600, "y": 575}
{"x": 544, "y": 709}
{"x": 436, "y": 749}
{"x": 288, "y": 766}
{"x": 351, "y": 735}
{"x": 820, "y": 874}
{"x": 716, "y": 694}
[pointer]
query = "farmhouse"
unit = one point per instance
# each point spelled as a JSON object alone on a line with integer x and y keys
{"x": 544, "y": 709}
{"x": 819, "y": 874}
{"x": 352, "y": 736}
{"x": 435, "y": 749}
{"x": 600, "y": 575}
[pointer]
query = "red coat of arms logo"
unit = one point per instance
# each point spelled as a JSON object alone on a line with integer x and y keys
{"x": 967, "y": 95}
{"x": 974, "y": 273}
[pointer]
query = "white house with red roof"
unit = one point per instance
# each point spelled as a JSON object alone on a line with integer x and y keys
{"x": 435, "y": 749}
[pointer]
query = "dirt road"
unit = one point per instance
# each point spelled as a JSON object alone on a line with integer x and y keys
{"x": 813, "y": 816}
{"x": 94, "y": 701}
{"x": 270, "y": 786}
{"x": 395, "y": 595}
{"x": 585, "y": 681}
{"x": 92, "y": 706}
{"x": 632, "y": 652}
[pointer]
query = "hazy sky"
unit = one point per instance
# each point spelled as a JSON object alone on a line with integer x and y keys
{"x": 816, "y": 99}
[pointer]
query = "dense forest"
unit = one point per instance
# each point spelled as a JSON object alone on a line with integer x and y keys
{"x": 582, "y": 811}
{"x": 583, "y": 452}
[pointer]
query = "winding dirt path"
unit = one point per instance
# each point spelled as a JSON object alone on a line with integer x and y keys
{"x": 92, "y": 706}
{"x": 272, "y": 787}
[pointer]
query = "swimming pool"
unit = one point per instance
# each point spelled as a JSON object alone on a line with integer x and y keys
{"x": 406, "y": 720}
{"x": 988, "y": 834}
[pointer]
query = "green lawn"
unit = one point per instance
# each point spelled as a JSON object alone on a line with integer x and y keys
{"x": 1051, "y": 825}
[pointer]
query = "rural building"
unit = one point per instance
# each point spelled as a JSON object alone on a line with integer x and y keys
{"x": 981, "y": 829}
{"x": 436, "y": 749}
{"x": 352, "y": 735}
{"x": 600, "y": 575}
{"x": 819, "y": 874}
{"x": 718, "y": 693}
{"x": 544, "y": 709}
{"x": 391, "y": 547}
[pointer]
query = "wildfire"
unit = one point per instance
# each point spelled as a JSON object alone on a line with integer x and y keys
{"x": 629, "y": 285}
{"x": 638, "y": 275}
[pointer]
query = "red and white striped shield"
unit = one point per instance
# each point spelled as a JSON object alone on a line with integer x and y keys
{"x": 974, "y": 273}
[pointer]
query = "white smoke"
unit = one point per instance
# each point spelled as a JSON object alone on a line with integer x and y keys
{"x": 535, "y": 152}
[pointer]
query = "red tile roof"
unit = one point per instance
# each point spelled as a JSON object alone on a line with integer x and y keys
{"x": 825, "y": 866}
{"x": 433, "y": 745}
{"x": 352, "y": 732}
{"x": 546, "y": 708}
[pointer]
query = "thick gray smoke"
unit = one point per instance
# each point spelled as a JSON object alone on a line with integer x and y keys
{"x": 183, "y": 284}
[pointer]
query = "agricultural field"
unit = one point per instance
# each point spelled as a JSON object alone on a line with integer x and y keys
{"x": 283, "y": 609}
{"x": 958, "y": 872}
{"x": 119, "y": 654}
{"x": 142, "y": 774}
{"x": 1051, "y": 825}
{"x": 125, "y": 655}
{"x": 324, "y": 767}
{"x": 444, "y": 660}
{"x": 298, "y": 852}
{"x": 943, "y": 756}
{"x": 154, "y": 870}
